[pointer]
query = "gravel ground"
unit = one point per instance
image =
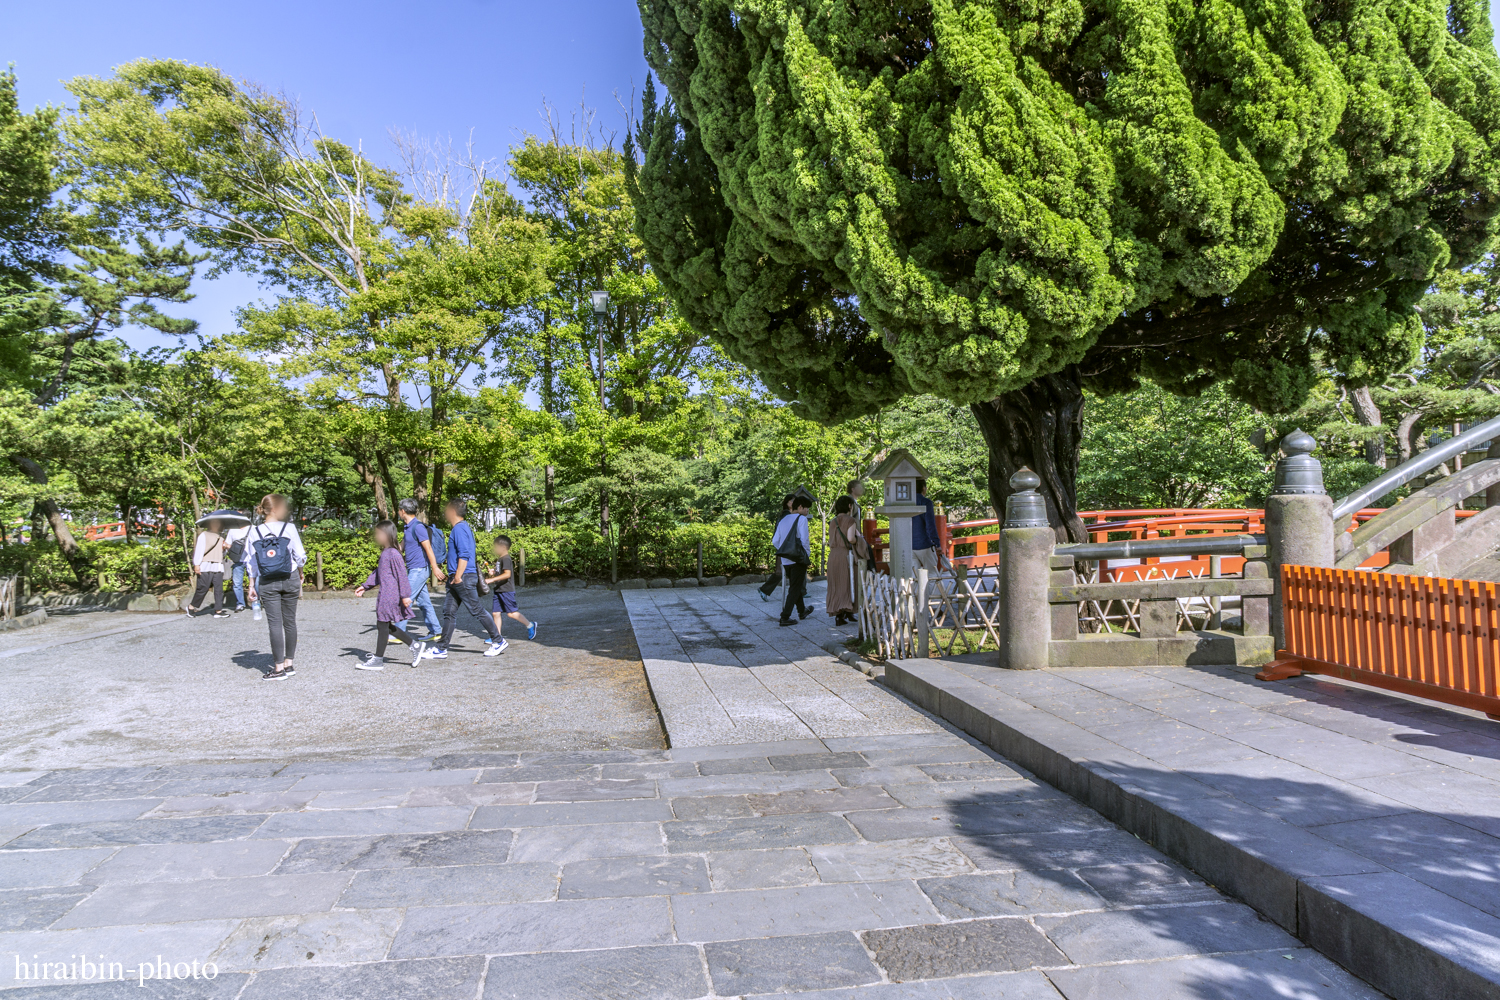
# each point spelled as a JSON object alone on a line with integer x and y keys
{"x": 144, "y": 690}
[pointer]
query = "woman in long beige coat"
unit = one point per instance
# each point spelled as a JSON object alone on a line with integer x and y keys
{"x": 843, "y": 536}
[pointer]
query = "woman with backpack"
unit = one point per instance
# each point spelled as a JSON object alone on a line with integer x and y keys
{"x": 274, "y": 558}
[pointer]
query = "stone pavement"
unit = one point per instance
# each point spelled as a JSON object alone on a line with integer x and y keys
{"x": 863, "y": 868}
{"x": 818, "y": 836}
{"x": 723, "y": 671}
{"x": 1366, "y": 822}
{"x": 173, "y": 690}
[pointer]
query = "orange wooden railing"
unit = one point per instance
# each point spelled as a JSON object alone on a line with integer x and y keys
{"x": 1119, "y": 525}
{"x": 1420, "y": 635}
{"x": 116, "y": 529}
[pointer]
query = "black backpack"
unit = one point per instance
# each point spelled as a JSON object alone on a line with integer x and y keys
{"x": 273, "y": 555}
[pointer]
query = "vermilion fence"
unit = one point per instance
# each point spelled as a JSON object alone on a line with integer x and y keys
{"x": 1427, "y": 636}
{"x": 1118, "y": 525}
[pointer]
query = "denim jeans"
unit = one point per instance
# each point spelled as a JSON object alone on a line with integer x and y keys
{"x": 421, "y": 600}
{"x": 239, "y": 585}
{"x": 464, "y": 595}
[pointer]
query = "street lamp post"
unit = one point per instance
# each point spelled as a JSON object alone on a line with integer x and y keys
{"x": 600, "y": 300}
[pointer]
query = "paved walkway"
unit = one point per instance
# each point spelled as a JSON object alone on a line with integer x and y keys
{"x": 175, "y": 691}
{"x": 723, "y": 671}
{"x": 819, "y": 836}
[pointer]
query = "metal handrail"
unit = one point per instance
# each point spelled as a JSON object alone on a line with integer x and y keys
{"x": 1415, "y": 466}
{"x": 1192, "y": 545}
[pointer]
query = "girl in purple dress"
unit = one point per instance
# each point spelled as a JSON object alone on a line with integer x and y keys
{"x": 393, "y": 603}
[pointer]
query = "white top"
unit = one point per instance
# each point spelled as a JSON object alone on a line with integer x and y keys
{"x": 200, "y": 549}
{"x": 235, "y": 534}
{"x": 293, "y": 540}
{"x": 783, "y": 527}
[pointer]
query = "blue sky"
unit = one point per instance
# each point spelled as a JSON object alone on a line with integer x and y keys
{"x": 438, "y": 68}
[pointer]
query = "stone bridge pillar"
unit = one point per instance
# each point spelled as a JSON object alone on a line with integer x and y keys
{"x": 1299, "y": 518}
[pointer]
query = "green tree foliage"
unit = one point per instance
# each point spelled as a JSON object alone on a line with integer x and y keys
{"x": 1004, "y": 205}
{"x": 1152, "y": 448}
{"x": 28, "y": 153}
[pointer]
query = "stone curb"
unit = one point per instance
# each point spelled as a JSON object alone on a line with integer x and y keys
{"x": 853, "y": 659}
{"x": 37, "y": 617}
{"x": 120, "y": 602}
{"x": 1374, "y": 922}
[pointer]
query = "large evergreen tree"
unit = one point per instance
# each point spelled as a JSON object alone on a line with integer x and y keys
{"x": 1003, "y": 204}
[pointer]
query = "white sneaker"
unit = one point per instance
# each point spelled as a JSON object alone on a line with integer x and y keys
{"x": 436, "y": 653}
{"x": 496, "y": 648}
{"x": 371, "y": 662}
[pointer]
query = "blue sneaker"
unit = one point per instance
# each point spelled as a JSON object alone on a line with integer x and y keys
{"x": 531, "y": 631}
{"x": 496, "y": 648}
{"x": 763, "y": 595}
{"x": 435, "y": 653}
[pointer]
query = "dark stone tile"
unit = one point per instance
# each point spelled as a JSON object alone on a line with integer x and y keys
{"x": 669, "y": 972}
{"x": 732, "y": 765}
{"x": 1136, "y": 885}
{"x": 794, "y": 830}
{"x": 86, "y": 793}
{"x": 207, "y": 772}
{"x": 816, "y": 761}
{"x": 400, "y": 850}
{"x": 16, "y": 792}
{"x": 96, "y": 776}
{"x": 937, "y": 951}
{"x": 456, "y": 886}
{"x": 35, "y": 909}
{"x": 1056, "y": 850}
{"x": 538, "y": 772}
{"x": 712, "y": 807}
{"x": 828, "y": 800}
{"x": 788, "y": 964}
{"x": 224, "y": 986}
{"x": 418, "y": 979}
{"x": 465, "y": 761}
{"x": 1009, "y": 894}
{"x": 979, "y": 819}
{"x": 559, "y": 757}
{"x": 972, "y": 771}
{"x": 596, "y": 790}
{"x": 191, "y": 830}
{"x": 651, "y": 769}
{"x": 1162, "y": 932}
{"x": 652, "y": 876}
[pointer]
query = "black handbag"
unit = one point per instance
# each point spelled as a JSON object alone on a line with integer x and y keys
{"x": 791, "y": 547}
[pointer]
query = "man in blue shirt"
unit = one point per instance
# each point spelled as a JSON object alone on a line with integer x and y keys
{"x": 421, "y": 564}
{"x": 924, "y": 533}
{"x": 463, "y": 585}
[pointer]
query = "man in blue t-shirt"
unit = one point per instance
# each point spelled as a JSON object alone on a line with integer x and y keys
{"x": 463, "y": 585}
{"x": 924, "y": 534}
{"x": 420, "y": 562}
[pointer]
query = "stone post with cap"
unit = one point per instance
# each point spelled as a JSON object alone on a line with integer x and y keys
{"x": 1299, "y": 518}
{"x": 1026, "y": 544}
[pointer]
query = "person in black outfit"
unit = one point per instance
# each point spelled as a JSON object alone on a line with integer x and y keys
{"x": 774, "y": 580}
{"x": 796, "y": 572}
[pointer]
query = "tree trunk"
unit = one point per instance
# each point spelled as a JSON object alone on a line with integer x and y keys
{"x": 77, "y": 561}
{"x": 548, "y": 474}
{"x": 1368, "y": 415}
{"x": 1039, "y": 426}
{"x": 377, "y": 484}
{"x": 1408, "y": 435}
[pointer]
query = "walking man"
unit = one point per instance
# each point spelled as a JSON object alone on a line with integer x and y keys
{"x": 774, "y": 580}
{"x": 421, "y": 564}
{"x": 795, "y": 569}
{"x": 924, "y": 534}
{"x": 463, "y": 584}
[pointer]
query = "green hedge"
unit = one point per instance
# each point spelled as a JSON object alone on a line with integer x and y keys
{"x": 739, "y": 545}
{"x": 43, "y": 564}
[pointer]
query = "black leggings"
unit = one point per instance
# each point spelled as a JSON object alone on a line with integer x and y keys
{"x": 383, "y": 633}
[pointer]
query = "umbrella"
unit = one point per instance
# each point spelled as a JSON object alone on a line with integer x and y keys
{"x": 227, "y": 518}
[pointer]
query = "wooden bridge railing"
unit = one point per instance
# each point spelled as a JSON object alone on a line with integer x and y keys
{"x": 1427, "y": 636}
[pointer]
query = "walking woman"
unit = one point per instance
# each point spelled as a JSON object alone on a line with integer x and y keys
{"x": 843, "y": 538}
{"x": 275, "y": 558}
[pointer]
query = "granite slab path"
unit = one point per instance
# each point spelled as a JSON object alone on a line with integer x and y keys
{"x": 1364, "y": 822}
{"x": 857, "y": 868}
{"x": 723, "y": 671}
